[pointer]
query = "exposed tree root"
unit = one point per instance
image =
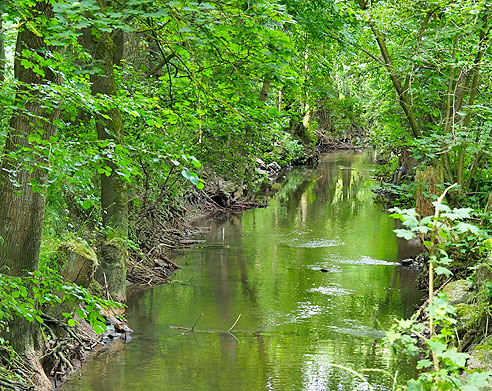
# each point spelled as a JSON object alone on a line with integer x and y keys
{"x": 15, "y": 371}
{"x": 159, "y": 229}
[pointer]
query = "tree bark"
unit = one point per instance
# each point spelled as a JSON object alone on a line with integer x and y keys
{"x": 114, "y": 198}
{"x": 265, "y": 90}
{"x": 22, "y": 208}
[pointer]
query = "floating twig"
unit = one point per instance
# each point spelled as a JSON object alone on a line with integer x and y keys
{"x": 230, "y": 328}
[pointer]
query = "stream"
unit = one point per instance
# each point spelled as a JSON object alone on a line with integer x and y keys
{"x": 314, "y": 277}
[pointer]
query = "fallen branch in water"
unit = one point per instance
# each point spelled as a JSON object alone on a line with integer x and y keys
{"x": 207, "y": 331}
{"x": 196, "y": 321}
{"x": 188, "y": 328}
{"x": 230, "y": 328}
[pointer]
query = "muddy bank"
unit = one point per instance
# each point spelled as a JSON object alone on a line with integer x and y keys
{"x": 159, "y": 230}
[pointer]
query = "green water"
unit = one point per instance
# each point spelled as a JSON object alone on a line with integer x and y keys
{"x": 296, "y": 321}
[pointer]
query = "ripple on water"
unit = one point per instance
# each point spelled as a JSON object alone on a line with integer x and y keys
{"x": 359, "y": 331}
{"x": 305, "y": 310}
{"x": 316, "y": 243}
{"x": 364, "y": 260}
{"x": 332, "y": 290}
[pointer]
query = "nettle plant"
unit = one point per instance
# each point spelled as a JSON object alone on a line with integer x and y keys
{"x": 434, "y": 340}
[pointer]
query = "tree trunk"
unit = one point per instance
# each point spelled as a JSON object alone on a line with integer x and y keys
{"x": 428, "y": 180}
{"x": 475, "y": 74}
{"x": 265, "y": 90}
{"x": 388, "y": 64}
{"x": 2, "y": 52}
{"x": 22, "y": 208}
{"x": 114, "y": 198}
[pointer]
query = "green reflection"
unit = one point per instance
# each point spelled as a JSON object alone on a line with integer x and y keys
{"x": 296, "y": 320}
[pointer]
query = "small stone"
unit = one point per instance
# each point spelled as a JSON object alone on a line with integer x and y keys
{"x": 260, "y": 162}
{"x": 481, "y": 355}
{"x": 457, "y": 292}
{"x": 484, "y": 273}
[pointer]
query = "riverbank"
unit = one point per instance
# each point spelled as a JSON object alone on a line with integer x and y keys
{"x": 455, "y": 270}
{"x": 159, "y": 231}
{"x": 308, "y": 293}
{"x": 158, "y": 227}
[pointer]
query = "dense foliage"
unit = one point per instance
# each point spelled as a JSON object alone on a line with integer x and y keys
{"x": 113, "y": 110}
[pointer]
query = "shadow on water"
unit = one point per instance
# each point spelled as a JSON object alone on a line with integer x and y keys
{"x": 314, "y": 276}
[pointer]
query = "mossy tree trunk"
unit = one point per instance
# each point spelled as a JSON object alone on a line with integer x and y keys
{"x": 265, "y": 90}
{"x": 429, "y": 180}
{"x": 21, "y": 207}
{"x": 114, "y": 197}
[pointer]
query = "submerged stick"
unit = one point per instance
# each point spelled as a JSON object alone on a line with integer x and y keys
{"x": 230, "y": 328}
{"x": 196, "y": 321}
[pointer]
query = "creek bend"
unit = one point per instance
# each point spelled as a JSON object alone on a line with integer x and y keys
{"x": 315, "y": 277}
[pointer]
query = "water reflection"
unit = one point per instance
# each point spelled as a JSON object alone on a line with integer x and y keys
{"x": 314, "y": 277}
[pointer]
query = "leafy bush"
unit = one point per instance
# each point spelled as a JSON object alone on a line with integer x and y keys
{"x": 27, "y": 296}
{"x": 435, "y": 341}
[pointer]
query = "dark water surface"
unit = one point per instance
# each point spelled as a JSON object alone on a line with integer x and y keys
{"x": 296, "y": 321}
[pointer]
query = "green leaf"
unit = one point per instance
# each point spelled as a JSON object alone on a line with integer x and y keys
{"x": 459, "y": 359}
{"x": 98, "y": 329}
{"x": 405, "y": 323}
{"x": 71, "y": 322}
{"x": 462, "y": 227}
{"x": 404, "y": 233}
{"x": 477, "y": 380}
{"x": 427, "y": 220}
{"x": 436, "y": 346}
{"x": 443, "y": 271}
{"x": 392, "y": 336}
{"x": 195, "y": 162}
{"x": 424, "y": 364}
{"x": 414, "y": 385}
{"x": 186, "y": 174}
{"x": 441, "y": 207}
